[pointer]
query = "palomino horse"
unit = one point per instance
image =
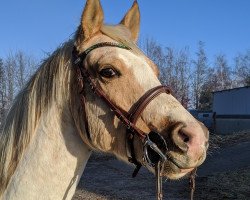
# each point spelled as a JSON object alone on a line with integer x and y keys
{"x": 104, "y": 96}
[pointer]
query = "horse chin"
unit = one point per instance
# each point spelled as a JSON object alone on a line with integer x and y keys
{"x": 176, "y": 176}
{"x": 171, "y": 171}
{"x": 177, "y": 167}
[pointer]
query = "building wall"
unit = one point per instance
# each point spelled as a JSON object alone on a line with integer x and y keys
{"x": 232, "y": 108}
{"x": 230, "y": 126}
{"x": 232, "y": 102}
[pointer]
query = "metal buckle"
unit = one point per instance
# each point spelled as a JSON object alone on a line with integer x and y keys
{"x": 154, "y": 149}
{"x": 77, "y": 61}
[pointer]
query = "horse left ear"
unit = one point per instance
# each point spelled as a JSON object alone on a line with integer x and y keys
{"x": 91, "y": 21}
{"x": 132, "y": 21}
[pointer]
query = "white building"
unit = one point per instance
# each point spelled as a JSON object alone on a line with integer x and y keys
{"x": 232, "y": 110}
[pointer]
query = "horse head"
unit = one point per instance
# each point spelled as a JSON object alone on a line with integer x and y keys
{"x": 124, "y": 75}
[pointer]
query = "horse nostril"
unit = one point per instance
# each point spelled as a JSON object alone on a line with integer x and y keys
{"x": 184, "y": 137}
{"x": 179, "y": 138}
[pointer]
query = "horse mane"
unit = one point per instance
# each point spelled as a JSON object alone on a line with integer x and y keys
{"x": 49, "y": 85}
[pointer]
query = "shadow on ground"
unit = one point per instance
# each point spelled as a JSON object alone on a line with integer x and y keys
{"x": 224, "y": 175}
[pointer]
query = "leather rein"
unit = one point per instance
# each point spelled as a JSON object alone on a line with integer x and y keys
{"x": 154, "y": 145}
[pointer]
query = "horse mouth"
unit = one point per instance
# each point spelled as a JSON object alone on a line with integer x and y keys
{"x": 177, "y": 166}
{"x": 183, "y": 164}
{"x": 174, "y": 169}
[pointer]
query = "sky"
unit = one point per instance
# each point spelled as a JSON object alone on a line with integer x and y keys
{"x": 37, "y": 27}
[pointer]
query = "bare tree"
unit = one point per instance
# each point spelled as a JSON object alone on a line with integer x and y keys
{"x": 222, "y": 73}
{"x": 10, "y": 82}
{"x": 199, "y": 78}
{"x": 2, "y": 79}
{"x": 169, "y": 72}
{"x": 173, "y": 66}
{"x": 16, "y": 69}
{"x": 176, "y": 73}
{"x": 207, "y": 89}
{"x": 242, "y": 70}
{"x": 24, "y": 67}
{"x": 154, "y": 51}
{"x": 182, "y": 66}
{"x": 218, "y": 78}
{"x": 21, "y": 64}
{"x": 2, "y": 92}
{"x": 19, "y": 67}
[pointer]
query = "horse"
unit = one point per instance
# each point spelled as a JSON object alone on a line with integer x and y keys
{"x": 96, "y": 92}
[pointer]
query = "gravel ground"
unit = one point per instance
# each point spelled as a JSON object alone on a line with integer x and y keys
{"x": 224, "y": 175}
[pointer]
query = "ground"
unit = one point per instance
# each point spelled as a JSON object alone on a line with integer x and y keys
{"x": 224, "y": 175}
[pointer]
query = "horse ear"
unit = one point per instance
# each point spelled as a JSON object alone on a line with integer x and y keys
{"x": 91, "y": 20}
{"x": 132, "y": 21}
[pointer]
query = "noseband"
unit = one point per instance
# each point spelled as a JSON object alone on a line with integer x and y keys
{"x": 154, "y": 145}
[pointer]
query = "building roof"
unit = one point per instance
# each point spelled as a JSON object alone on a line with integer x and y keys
{"x": 228, "y": 90}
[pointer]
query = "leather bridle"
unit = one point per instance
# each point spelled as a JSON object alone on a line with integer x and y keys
{"x": 154, "y": 145}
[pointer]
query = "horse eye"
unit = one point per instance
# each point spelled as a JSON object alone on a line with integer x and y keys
{"x": 108, "y": 72}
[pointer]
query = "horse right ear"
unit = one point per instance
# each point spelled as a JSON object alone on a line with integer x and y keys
{"x": 91, "y": 21}
{"x": 132, "y": 20}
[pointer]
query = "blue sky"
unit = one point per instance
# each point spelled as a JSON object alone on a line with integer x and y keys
{"x": 39, "y": 26}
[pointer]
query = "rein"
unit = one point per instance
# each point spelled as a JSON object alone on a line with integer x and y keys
{"x": 154, "y": 145}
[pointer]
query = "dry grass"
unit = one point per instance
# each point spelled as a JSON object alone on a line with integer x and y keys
{"x": 228, "y": 185}
{"x": 221, "y": 141}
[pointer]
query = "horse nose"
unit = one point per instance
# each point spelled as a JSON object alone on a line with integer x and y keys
{"x": 191, "y": 139}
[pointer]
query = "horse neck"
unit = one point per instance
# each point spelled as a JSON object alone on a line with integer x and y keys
{"x": 53, "y": 162}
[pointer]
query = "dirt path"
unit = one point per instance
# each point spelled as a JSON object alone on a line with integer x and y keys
{"x": 225, "y": 175}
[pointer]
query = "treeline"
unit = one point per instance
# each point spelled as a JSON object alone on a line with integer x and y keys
{"x": 14, "y": 72}
{"x": 193, "y": 79}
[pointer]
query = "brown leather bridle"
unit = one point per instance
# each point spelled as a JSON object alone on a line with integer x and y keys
{"x": 154, "y": 145}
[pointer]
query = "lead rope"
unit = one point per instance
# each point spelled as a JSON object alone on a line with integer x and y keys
{"x": 158, "y": 172}
{"x": 192, "y": 183}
